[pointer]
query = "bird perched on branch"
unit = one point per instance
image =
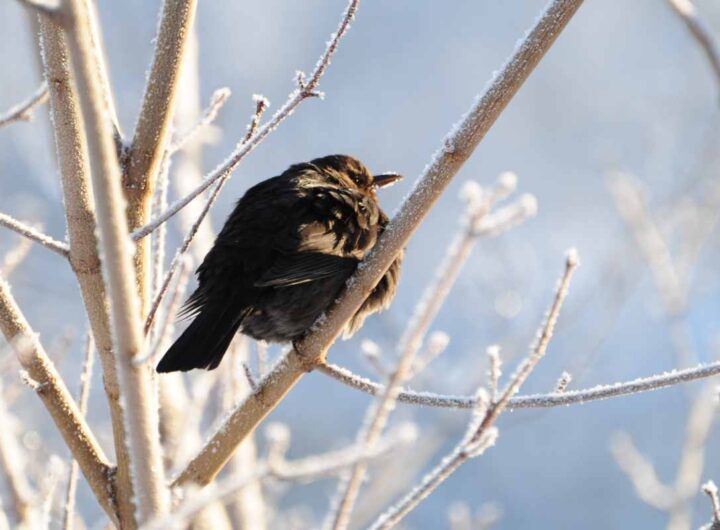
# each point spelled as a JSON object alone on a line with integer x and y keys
{"x": 283, "y": 257}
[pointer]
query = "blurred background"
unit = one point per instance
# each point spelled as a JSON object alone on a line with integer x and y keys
{"x": 623, "y": 107}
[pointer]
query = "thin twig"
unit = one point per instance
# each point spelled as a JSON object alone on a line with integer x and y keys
{"x": 225, "y": 169}
{"x": 83, "y": 397}
{"x": 457, "y": 147}
{"x": 555, "y": 399}
{"x": 482, "y": 433}
{"x": 711, "y": 490}
{"x": 192, "y": 232}
{"x": 494, "y": 370}
{"x": 28, "y": 231}
{"x": 24, "y": 111}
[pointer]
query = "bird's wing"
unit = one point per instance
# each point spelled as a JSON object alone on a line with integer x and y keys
{"x": 305, "y": 267}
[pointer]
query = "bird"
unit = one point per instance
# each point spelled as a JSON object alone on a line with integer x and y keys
{"x": 282, "y": 257}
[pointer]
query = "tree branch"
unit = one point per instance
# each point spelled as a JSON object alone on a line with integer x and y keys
{"x": 56, "y": 398}
{"x": 153, "y": 127}
{"x": 74, "y": 165}
{"x": 28, "y": 231}
{"x": 139, "y": 399}
{"x": 555, "y": 399}
{"x": 24, "y": 111}
{"x": 457, "y": 148}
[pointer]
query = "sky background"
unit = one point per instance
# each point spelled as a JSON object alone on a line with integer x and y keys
{"x": 624, "y": 88}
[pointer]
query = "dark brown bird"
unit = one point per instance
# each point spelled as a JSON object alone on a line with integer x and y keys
{"x": 283, "y": 257}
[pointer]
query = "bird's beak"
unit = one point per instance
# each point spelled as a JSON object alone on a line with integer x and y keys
{"x": 386, "y": 179}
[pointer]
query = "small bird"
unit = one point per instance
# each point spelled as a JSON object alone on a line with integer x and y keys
{"x": 283, "y": 257}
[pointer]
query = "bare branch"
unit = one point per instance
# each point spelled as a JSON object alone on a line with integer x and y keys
{"x": 152, "y": 130}
{"x": 686, "y": 10}
{"x": 555, "y": 399}
{"x": 56, "y": 398}
{"x": 24, "y": 111}
{"x": 28, "y": 231}
{"x": 225, "y": 169}
{"x": 74, "y": 165}
{"x": 457, "y": 148}
{"x": 710, "y": 489}
{"x": 139, "y": 399}
{"x": 562, "y": 383}
{"x": 481, "y": 432}
{"x": 494, "y": 371}
{"x": 84, "y": 395}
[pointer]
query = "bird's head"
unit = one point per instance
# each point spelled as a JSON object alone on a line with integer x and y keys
{"x": 352, "y": 173}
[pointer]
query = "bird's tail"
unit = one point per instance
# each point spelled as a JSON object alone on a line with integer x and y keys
{"x": 204, "y": 341}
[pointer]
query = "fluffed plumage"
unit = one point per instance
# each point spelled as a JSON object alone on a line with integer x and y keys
{"x": 282, "y": 258}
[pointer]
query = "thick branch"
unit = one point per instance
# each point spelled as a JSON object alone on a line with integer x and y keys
{"x": 457, "y": 148}
{"x": 139, "y": 399}
{"x": 56, "y": 398}
{"x": 74, "y": 168}
{"x": 153, "y": 127}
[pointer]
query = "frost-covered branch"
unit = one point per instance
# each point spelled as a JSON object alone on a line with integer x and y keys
{"x": 57, "y": 399}
{"x": 139, "y": 399}
{"x": 711, "y": 490}
{"x": 482, "y": 433}
{"x": 152, "y": 130}
{"x": 456, "y": 149}
{"x": 34, "y": 234}
{"x": 83, "y": 396}
{"x": 555, "y": 399}
{"x": 687, "y": 11}
{"x": 304, "y": 91}
{"x": 24, "y": 111}
{"x": 74, "y": 166}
